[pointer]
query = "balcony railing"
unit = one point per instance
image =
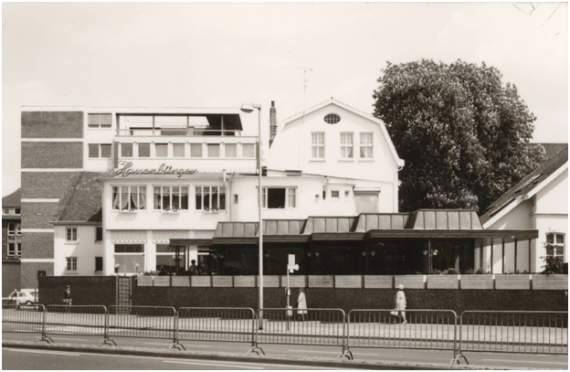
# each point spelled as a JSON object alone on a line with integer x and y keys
{"x": 181, "y": 132}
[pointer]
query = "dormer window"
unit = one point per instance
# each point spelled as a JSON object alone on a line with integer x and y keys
{"x": 332, "y": 119}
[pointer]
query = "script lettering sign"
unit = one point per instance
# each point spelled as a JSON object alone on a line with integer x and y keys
{"x": 126, "y": 169}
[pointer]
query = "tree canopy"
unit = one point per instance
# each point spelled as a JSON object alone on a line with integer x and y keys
{"x": 463, "y": 133}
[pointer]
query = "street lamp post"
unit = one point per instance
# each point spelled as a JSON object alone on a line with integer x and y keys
{"x": 251, "y": 108}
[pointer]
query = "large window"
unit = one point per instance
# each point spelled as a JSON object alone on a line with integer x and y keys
{"x": 161, "y": 150}
{"x": 210, "y": 198}
{"x": 318, "y": 145}
{"x": 170, "y": 258}
{"x": 99, "y": 120}
{"x": 127, "y": 150}
{"x": 346, "y": 145}
{"x": 71, "y": 234}
{"x": 14, "y": 249}
{"x": 99, "y": 151}
{"x": 366, "y": 145}
{"x": 71, "y": 264}
{"x": 129, "y": 198}
{"x": 279, "y": 197}
{"x": 554, "y": 244}
{"x": 170, "y": 198}
{"x": 144, "y": 150}
{"x": 129, "y": 257}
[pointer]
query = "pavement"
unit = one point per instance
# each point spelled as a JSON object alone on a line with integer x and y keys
{"x": 231, "y": 355}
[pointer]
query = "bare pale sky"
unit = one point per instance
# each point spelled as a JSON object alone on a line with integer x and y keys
{"x": 222, "y": 55}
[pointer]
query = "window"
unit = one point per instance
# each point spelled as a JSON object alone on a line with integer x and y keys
{"x": 144, "y": 150}
{"x": 14, "y": 249}
{"x": 71, "y": 234}
{"x": 99, "y": 150}
{"x": 98, "y": 234}
{"x": 169, "y": 258}
{"x": 279, "y": 197}
{"x": 161, "y": 150}
{"x": 318, "y": 145}
{"x": 366, "y": 145}
{"x": 168, "y": 198}
{"x": 129, "y": 198}
{"x": 14, "y": 229}
{"x": 99, "y": 120}
{"x": 346, "y": 145}
{"x": 11, "y": 211}
{"x": 236, "y": 198}
{"x": 324, "y": 195}
{"x": 179, "y": 150}
{"x": 5, "y": 210}
{"x": 210, "y": 198}
{"x": 17, "y": 211}
{"x": 332, "y": 119}
{"x": 127, "y": 150}
{"x": 335, "y": 194}
{"x": 195, "y": 150}
{"x": 129, "y": 258}
{"x": 231, "y": 150}
{"x": 248, "y": 150}
{"x": 98, "y": 263}
{"x": 347, "y": 194}
{"x": 213, "y": 150}
{"x": 71, "y": 264}
{"x": 554, "y": 245}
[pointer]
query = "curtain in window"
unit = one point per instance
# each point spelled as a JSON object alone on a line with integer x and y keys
{"x": 291, "y": 197}
{"x": 184, "y": 198}
{"x": 175, "y": 197}
{"x": 134, "y": 197}
{"x": 198, "y": 197}
{"x": 165, "y": 197}
{"x": 214, "y": 151}
{"x": 231, "y": 150}
{"x": 179, "y": 150}
{"x": 116, "y": 197}
{"x": 161, "y": 150}
{"x": 124, "y": 197}
{"x": 222, "y": 198}
{"x": 142, "y": 197}
{"x": 207, "y": 204}
{"x": 215, "y": 198}
{"x": 156, "y": 198}
{"x": 196, "y": 150}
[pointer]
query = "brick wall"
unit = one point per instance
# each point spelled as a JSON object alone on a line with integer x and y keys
{"x": 348, "y": 299}
{"x": 85, "y": 290}
{"x": 37, "y": 245}
{"x": 29, "y": 272}
{"x": 52, "y": 124}
{"x": 52, "y": 155}
{"x": 10, "y": 277}
{"x": 47, "y": 185}
{"x": 38, "y": 215}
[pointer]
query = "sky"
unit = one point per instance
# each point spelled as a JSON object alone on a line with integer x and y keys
{"x": 223, "y": 55}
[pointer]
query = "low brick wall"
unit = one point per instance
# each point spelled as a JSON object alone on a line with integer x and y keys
{"x": 348, "y": 299}
{"x": 85, "y": 290}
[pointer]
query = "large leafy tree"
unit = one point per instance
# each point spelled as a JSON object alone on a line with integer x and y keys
{"x": 463, "y": 133}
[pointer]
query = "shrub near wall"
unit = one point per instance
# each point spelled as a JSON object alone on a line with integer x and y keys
{"x": 85, "y": 290}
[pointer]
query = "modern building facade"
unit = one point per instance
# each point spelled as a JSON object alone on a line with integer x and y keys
{"x": 125, "y": 191}
{"x": 11, "y": 242}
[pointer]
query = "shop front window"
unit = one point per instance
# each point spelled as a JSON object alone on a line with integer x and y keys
{"x": 170, "y": 259}
{"x": 129, "y": 258}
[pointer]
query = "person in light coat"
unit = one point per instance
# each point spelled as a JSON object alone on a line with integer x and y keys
{"x": 401, "y": 303}
{"x": 302, "y": 304}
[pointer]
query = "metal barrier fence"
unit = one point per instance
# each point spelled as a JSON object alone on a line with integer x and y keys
{"x": 324, "y": 327}
{"x": 423, "y": 329}
{"x": 142, "y": 322}
{"x": 217, "y": 324}
{"x": 76, "y": 320}
{"x": 23, "y": 319}
{"x": 536, "y": 332}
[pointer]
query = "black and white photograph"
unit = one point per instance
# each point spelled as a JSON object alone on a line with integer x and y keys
{"x": 284, "y": 185}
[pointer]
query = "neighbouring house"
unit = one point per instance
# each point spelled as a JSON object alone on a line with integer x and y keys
{"x": 538, "y": 202}
{"x": 11, "y": 242}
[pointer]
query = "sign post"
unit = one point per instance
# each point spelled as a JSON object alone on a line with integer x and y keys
{"x": 290, "y": 268}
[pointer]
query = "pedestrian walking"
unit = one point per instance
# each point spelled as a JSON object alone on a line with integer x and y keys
{"x": 401, "y": 304}
{"x": 302, "y": 304}
{"x": 67, "y": 295}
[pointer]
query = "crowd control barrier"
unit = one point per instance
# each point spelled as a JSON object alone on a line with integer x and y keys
{"x": 82, "y": 320}
{"x": 424, "y": 329}
{"x": 24, "y": 319}
{"x": 217, "y": 324}
{"x": 323, "y": 327}
{"x": 534, "y": 332}
{"x": 157, "y": 322}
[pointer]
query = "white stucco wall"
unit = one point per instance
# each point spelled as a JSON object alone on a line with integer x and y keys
{"x": 85, "y": 249}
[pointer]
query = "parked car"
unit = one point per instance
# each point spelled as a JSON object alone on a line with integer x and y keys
{"x": 23, "y": 297}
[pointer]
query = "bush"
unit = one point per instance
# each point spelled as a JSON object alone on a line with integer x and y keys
{"x": 450, "y": 271}
{"x": 554, "y": 265}
{"x": 480, "y": 271}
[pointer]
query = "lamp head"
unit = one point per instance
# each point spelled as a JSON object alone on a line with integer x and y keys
{"x": 250, "y": 107}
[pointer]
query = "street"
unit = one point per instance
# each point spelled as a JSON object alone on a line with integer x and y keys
{"x": 47, "y": 360}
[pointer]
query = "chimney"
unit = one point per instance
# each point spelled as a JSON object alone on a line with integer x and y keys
{"x": 272, "y": 123}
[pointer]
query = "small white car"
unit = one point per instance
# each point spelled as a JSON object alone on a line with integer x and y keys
{"x": 23, "y": 297}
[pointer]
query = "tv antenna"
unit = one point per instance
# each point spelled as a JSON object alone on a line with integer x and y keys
{"x": 305, "y": 84}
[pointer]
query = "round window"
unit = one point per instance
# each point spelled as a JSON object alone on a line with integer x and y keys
{"x": 332, "y": 118}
